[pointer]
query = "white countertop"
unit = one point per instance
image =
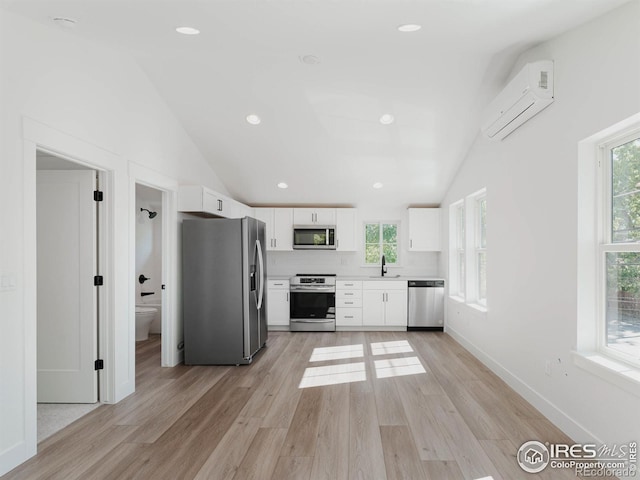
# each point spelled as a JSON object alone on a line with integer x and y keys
{"x": 386, "y": 277}
{"x": 367, "y": 277}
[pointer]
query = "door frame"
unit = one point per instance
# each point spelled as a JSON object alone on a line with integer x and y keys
{"x": 171, "y": 308}
{"x": 116, "y": 380}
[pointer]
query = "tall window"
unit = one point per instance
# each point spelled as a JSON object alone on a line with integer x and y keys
{"x": 468, "y": 249}
{"x": 481, "y": 248}
{"x": 457, "y": 250}
{"x": 381, "y": 238}
{"x": 619, "y": 249}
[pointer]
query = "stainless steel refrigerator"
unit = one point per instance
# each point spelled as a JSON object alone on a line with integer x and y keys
{"x": 224, "y": 290}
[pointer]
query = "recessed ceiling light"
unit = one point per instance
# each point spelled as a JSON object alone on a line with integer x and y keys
{"x": 386, "y": 119}
{"x": 377, "y": 185}
{"x": 283, "y": 185}
{"x": 65, "y": 22}
{"x": 409, "y": 27}
{"x": 253, "y": 119}
{"x": 187, "y": 30}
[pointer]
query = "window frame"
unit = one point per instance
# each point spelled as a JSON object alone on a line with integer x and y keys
{"x": 381, "y": 243}
{"x": 477, "y": 198}
{"x": 457, "y": 250}
{"x": 605, "y": 244}
{"x": 465, "y": 243}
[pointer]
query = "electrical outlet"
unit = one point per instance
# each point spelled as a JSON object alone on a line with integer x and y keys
{"x": 547, "y": 368}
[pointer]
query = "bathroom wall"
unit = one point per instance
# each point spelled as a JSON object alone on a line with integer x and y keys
{"x": 149, "y": 249}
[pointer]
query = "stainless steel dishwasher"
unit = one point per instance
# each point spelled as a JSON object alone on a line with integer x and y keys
{"x": 426, "y": 305}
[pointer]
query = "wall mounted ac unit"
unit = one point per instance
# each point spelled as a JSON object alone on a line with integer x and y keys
{"x": 530, "y": 91}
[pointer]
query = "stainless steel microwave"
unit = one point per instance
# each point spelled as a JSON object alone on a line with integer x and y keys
{"x": 314, "y": 237}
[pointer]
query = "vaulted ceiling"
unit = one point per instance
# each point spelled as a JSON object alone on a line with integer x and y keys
{"x": 320, "y": 74}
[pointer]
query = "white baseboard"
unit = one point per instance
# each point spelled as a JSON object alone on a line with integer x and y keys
{"x": 554, "y": 414}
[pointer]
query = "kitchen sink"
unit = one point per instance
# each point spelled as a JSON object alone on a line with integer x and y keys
{"x": 386, "y": 276}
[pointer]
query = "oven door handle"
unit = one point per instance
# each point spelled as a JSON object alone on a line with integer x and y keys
{"x": 311, "y": 289}
{"x": 295, "y": 320}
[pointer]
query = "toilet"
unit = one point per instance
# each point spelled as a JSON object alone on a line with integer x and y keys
{"x": 144, "y": 317}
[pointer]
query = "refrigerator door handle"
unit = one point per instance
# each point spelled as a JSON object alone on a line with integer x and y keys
{"x": 261, "y": 264}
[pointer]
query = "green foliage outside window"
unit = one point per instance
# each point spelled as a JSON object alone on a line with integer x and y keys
{"x": 381, "y": 239}
{"x": 625, "y": 192}
{"x": 623, "y": 268}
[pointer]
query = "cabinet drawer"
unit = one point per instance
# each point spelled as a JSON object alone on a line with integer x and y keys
{"x": 278, "y": 284}
{"x": 348, "y": 317}
{"x": 385, "y": 285}
{"x": 348, "y": 284}
{"x": 348, "y": 294}
{"x": 349, "y": 302}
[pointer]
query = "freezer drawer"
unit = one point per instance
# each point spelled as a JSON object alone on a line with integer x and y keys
{"x": 426, "y": 304}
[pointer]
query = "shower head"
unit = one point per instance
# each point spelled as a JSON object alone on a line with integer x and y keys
{"x": 151, "y": 214}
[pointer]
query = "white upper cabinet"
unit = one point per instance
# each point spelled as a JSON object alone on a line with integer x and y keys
{"x": 283, "y": 229}
{"x": 279, "y": 227}
{"x": 314, "y": 216}
{"x": 346, "y": 230}
{"x": 199, "y": 199}
{"x": 424, "y": 230}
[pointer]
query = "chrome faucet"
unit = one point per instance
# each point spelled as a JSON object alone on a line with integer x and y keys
{"x": 384, "y": 268}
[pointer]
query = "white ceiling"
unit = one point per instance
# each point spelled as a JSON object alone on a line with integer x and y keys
{"x": 320, "y": 131}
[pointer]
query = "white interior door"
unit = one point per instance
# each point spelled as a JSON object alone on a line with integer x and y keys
{"x": 67, "y": 298}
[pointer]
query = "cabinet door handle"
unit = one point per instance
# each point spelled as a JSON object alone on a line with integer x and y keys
{"x": 411, "y": 243}
{"x": 348, "y": 316}
{"x": 348, "y": 293}
{"x": 348, "y": 303}
{"x": 275, "y": 242}
{"x": 287, "y": 296}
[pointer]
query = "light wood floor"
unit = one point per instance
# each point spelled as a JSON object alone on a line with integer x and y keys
{"x": 454, "y": 420}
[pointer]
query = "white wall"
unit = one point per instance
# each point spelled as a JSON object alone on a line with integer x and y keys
{"x": 531, "y": 179}
{"x": 97, "y": 98}
{"x": 351, "y": 263}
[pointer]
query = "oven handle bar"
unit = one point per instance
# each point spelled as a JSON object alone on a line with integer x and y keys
{"x": 295, "y": 320}
{"x": 295, "y": 288}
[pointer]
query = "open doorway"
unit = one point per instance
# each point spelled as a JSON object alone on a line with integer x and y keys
{"x": 67, "y": 218}
{"x": 149, "y": 265}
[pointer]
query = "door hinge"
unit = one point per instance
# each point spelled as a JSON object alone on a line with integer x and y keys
{"x": 98, "y": 280}
{"x": 98, "y": 196}
{"x": 98, "y": 365}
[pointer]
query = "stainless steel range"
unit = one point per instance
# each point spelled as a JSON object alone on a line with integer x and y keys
{"x": 312, "y": 303}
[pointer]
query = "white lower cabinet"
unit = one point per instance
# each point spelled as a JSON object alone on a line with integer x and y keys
{"x": 371, "y": 304}
{"x": 278, "y": 304}
{"x": 384, "y": 303}
{"x": 348, "y": 303}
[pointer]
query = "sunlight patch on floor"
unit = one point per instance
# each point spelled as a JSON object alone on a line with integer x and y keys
{"x": 398, "y": 367}
{"x": 333, "y": 375}
{"x": 385, "y": 348}
{"x": 339, "y": 352}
